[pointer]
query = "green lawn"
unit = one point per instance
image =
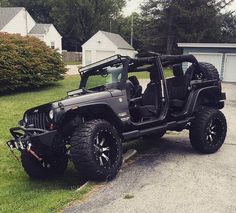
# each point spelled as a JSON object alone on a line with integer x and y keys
{"x": 145, "y": 75}
{"x": 18, "y": 193}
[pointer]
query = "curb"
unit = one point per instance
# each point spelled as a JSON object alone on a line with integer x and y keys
{"x": 130, "y": 153}
{"x": 83, "y": 186}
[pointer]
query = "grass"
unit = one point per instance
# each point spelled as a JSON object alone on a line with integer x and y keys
{"x": 73, "y": 63}
{"x": 145, "y": 75}
{"x": 18, "y": 193}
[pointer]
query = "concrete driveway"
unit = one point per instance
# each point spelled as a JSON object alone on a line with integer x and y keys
{"x": 169, "y": 176}
{"x": 72, "y": 69}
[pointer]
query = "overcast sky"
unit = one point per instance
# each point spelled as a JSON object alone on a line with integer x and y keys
{"x": 133, "y": 5}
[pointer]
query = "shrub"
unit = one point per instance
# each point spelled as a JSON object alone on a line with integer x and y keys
{"x": 27, "y": 62}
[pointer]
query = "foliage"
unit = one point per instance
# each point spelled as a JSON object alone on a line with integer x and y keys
{"x": 79, "y": 20}
{"x": 167, "y": 22}
{"x": 122, "y": 26}
{"x": 228, "y": 29}
{"x": 27, "y": 62}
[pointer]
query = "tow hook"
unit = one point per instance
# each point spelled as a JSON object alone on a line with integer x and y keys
{"x": 19, "y": 146}
{"x": 33, "y": 153}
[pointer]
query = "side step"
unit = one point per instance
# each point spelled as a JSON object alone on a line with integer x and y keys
{"x": 168, "y": 126}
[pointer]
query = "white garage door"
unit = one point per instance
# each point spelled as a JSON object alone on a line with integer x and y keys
{"x": 230, "y": 68}
{"x": 88, "y": 57}
{"x": 213, "y": 58}
{"x": 103, "y": 54}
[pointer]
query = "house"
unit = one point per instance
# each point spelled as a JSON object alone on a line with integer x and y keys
{"x": 221, "y": 55}
{"x": 16, "y": 20}
{"x": 103, "y": 45}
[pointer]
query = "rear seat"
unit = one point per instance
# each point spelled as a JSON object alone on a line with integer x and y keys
{"x": 177, "y": 87}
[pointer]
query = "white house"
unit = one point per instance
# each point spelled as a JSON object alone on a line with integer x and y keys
{"x": 16, "y": 20}
{"x": 221, "y": 55}
{"x": 103, "y": 45}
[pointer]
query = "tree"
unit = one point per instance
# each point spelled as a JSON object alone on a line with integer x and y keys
{"x": 27, "y": 62}
{"x": 173, "y": 21}
{"x": 76, "y": 20}
{"x": 39, "y": 9}
{"x": 4, "y": 3}
{"x": 122, "y": 26}
{"x": 228, "y": 29}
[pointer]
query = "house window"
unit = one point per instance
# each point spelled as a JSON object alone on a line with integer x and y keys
{"x": 53, "y": 45}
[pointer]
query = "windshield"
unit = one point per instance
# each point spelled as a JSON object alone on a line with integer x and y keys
{"x": 106, "y": 77}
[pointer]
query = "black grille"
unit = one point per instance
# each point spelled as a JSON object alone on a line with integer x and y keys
{"x": 37, "y": 120}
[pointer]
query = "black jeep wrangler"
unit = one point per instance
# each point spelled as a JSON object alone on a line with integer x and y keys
{"x": 111, "y": 107}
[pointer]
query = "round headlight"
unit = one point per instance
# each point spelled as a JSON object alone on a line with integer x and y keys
{"x": 51, "y": 114}
{"x": 26, "y": 119}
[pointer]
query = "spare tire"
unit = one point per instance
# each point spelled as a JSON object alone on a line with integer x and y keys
{"x": 205, "y": 71}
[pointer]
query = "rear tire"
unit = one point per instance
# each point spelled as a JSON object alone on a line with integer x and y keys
{"x": 207, "y": 71}
{"x": 208, "y": 131}
{"x": 96, "y": 150}
{"x": 52, "y": 168}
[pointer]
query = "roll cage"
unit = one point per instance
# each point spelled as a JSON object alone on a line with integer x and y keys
{"x": 135, "y": 65}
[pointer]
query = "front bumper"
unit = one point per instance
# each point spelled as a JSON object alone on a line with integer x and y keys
{"x": 25, "y": 138}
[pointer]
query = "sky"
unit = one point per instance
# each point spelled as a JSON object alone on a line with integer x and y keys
{"x": 133, "y": 6}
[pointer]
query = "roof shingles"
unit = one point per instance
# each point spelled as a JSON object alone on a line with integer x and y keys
{"x": 7, "y": 14}
{"x": 40, "y": 29}
{"x": 118, "y": 40}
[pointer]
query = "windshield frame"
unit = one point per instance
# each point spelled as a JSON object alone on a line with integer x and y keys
{"x": 93, "y": 71}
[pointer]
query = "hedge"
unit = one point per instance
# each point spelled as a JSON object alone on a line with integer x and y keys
{"x": 27, "y": 62}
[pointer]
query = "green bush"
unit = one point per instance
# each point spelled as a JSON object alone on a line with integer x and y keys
{"x": 27, "y": 62}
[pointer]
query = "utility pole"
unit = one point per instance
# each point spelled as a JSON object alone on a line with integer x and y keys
{"x": 110, "y": 26}
{"x": 132, "y": 30}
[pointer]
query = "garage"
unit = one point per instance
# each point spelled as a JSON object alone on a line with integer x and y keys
{"x": 104, "y": 54}
{"x": 103, "y": 45}
{"x": 222, "y": 56}
{"x": 230, "y": 68}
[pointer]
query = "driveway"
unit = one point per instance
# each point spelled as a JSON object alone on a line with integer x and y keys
{"x": 169, "y": 176}
{"x": 72, "y": 69}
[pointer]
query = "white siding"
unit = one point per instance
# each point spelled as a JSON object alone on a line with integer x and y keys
{"x": 230, "y": 68}
{"x": 40, "y": 37}
{"x": 52, "y": 36}
{"x": 213, "y": 58}
{"x": 21, "y": 24}
{"x": 130, "y": 53}
{"x": 97, "y": 44}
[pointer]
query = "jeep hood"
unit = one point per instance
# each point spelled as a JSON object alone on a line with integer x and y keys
{"x": 72, "y": 101}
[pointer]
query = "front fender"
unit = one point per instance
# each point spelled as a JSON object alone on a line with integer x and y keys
{"x": 72, "y": 117}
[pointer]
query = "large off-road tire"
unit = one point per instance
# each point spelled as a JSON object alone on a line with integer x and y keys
{"x": 96, "y": 150}
{"x": 154, "y": 136}
{"x": 208, "y": 131}
{"x": 205, "y": 71}
{"x": 44, "y": 169}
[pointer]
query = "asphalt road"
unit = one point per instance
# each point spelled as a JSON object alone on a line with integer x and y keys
{"x": 169, "y": 176}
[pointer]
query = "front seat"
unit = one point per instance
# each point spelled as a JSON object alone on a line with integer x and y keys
{"x": 137, "y": 87}
{"x": 177, "y": 87}
{"x": 150, "y": 104}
